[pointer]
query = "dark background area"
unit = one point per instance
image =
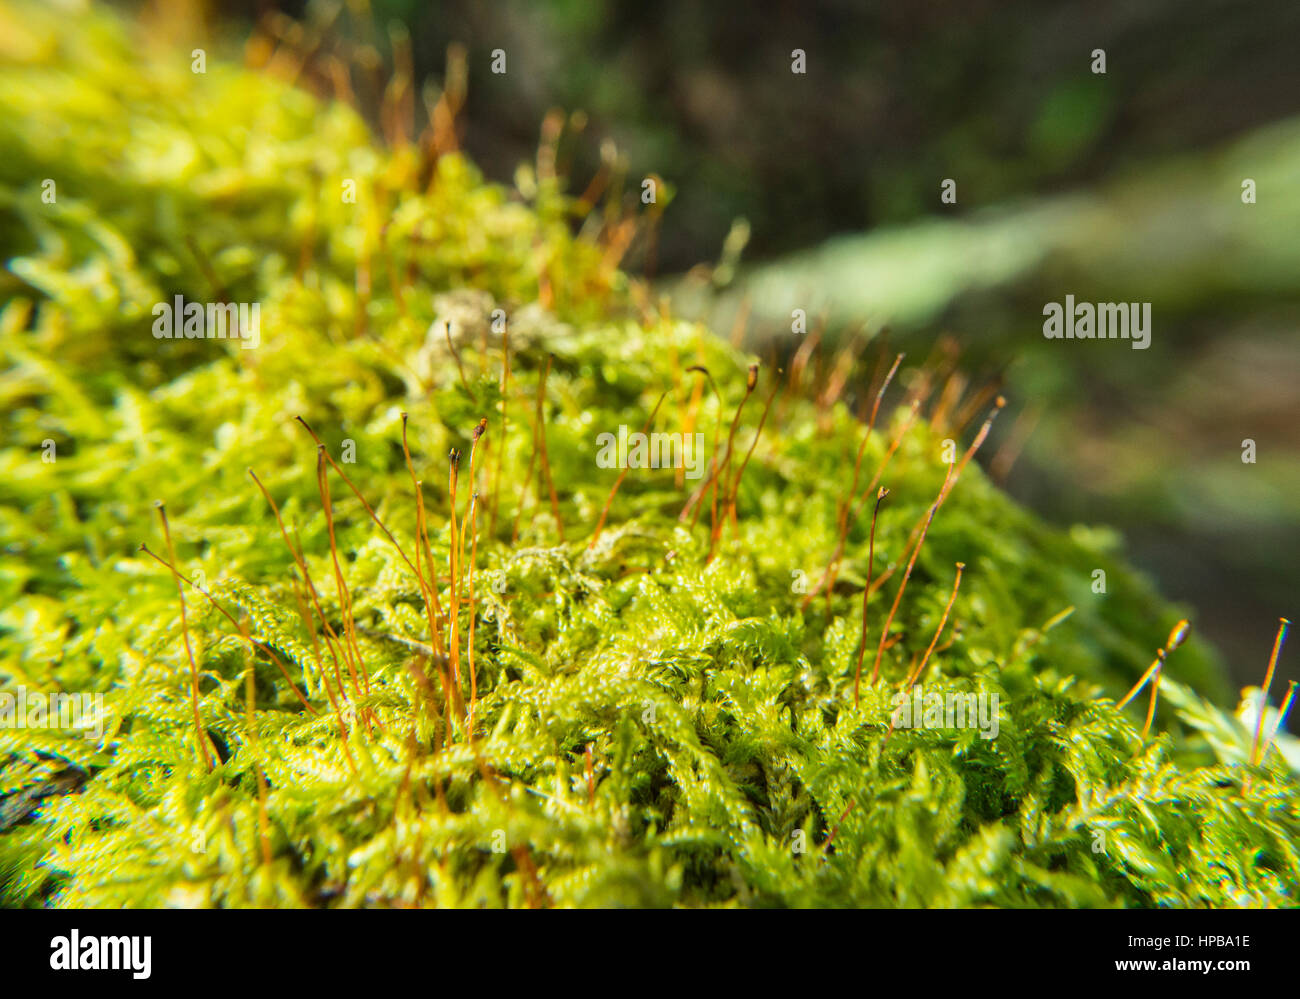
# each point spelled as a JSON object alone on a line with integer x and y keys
{"x": 895, "y": 94}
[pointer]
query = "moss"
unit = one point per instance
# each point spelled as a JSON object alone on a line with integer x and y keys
{"x": 655, "y": 723}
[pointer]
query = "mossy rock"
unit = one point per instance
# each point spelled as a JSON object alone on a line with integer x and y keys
{"x": 659, "y": 717}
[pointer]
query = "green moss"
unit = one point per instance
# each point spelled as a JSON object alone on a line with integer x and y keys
{"x": 718, "y": 712}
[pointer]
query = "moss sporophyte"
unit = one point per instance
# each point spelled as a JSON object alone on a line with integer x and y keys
{"x": 400, "y": 636}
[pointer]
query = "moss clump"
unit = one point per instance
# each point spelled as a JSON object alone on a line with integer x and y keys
{"x": 651, "y": 725}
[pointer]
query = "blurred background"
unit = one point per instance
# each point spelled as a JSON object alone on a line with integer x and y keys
{"x": 821, "y": 191}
